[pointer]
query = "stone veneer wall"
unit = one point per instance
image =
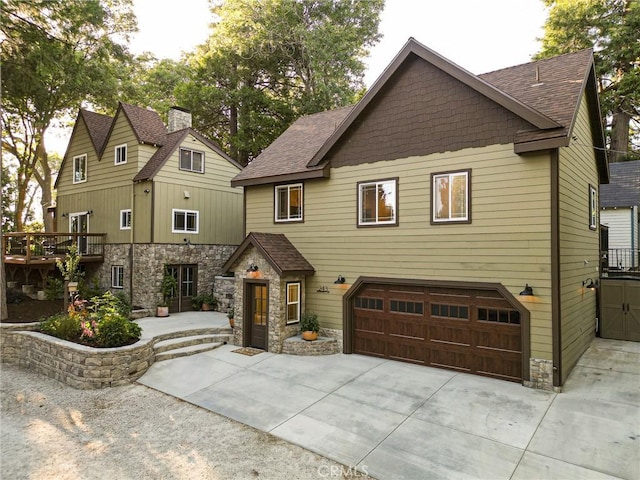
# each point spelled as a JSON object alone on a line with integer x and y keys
{"x": 278, "y": 330}
{"x": 541, "y": 375}
{"x": 148, "y": 267}
{"x": 75, "y": 365}
{"x": 223, "y": 290}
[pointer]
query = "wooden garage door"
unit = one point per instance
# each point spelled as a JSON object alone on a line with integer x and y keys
{"x": 473, "y": 331}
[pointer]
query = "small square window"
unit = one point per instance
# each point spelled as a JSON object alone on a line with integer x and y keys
{"x": 450, "y": 197}
{"x": 121, "y": 154}
{"x": 191, "y": 160}
{"x": 288, "y": 203}
{"x": 377, "y": 202}
{"x": 125, "y": 219}
{"x": 185, "y": 221}
{"x": 80, "y": 169}
{"x": 117, "y": 276}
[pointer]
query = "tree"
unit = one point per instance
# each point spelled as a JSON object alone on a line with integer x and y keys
{"x": 268, "y": 62}
{"x": 612, "y": 28}
{"x": 55, "y": 55}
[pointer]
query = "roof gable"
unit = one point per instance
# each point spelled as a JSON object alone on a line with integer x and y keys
{"x": 146, "y": 124}
{"x": 276, "y": 249}
{"x": 171, "y": 142}
{"x": 98, "y": 126}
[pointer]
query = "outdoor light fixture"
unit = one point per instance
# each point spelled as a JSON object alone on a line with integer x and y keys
{"x": 590, "y": 284}
{"x": 64, "y": 215}
{"x": 252, "y": 268}
{"x": 340, "y": 280}
{"x": 323, "y": 289}
{"x": 528, "y": 291}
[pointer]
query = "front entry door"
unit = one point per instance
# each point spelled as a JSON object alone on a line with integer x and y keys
{"x": 257, "y": 318}
{"x": 186, "y": 276}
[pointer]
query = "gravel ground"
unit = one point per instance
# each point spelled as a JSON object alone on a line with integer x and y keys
{"x": 51, "y": 431}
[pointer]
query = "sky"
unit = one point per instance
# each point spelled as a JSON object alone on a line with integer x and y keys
{"x": 478, "y": 35}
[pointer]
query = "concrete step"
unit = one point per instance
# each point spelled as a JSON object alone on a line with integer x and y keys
{"x": 194, "y": 332}
{"x": 186, "y": 351}
{"x": 179, "y": 342}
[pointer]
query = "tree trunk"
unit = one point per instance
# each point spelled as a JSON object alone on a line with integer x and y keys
{"x": 619, "y": 136}
{"x": 44, "y": 177}
{"x": 233, "y": 131}
{"x": 4, "y": 313}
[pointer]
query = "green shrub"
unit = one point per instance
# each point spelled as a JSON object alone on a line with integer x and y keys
{"x": 124, "y": 305}
{"x": 107, "y": 304}
{"x": 116, "y": 330}
{"x": 62, "y": 326}
{"x": 54, "y": 289}
{"x": 90, "y": 289}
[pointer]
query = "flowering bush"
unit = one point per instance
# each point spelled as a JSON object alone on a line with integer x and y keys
{"x": 99, "y": 323}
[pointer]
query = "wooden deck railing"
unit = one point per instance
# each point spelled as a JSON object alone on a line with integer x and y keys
{"x": 34, "y": 248}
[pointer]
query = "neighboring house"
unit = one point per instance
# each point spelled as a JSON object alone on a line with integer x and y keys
{"x": 619, "y": 204}
{"x": 414, "y": 222}
{"x": 162, "y": 196}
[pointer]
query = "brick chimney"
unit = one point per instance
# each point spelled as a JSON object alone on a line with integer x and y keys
{"x": 179, "y": 118}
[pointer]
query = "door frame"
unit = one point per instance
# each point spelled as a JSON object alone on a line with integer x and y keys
{"x": 247, "y": 324}
{"x": 176, "y": 304}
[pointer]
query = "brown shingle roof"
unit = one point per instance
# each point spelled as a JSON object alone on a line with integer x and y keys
{"x": 291, "y": 151}
{"x": 300, "y": 151}
{"x": 98, "y": 126}
{"x": 146, "y": 124}
{"x": 277, "y": 250}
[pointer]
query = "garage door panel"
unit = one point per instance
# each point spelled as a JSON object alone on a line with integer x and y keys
{"x": 462, "y": 329}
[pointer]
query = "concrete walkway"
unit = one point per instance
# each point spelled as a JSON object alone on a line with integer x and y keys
{"x": 394, "y": 420}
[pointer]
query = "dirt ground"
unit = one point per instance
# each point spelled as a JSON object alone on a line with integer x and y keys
{"x": 22, "y": 309}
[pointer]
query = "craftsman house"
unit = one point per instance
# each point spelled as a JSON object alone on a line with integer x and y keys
{"x": 161, "y": 197}
{"x": 620, "y": 213}
{"x": 446, "y": 220}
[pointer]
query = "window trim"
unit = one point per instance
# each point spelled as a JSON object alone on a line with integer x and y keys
{"x": 276, "y": 204}
{"x": 450, "y": 174}
{"x": 115, "y": 155}
{"x": 73, "y": 173}
{"x": 593, "y": 208}
{"x": 122, "y": 225}
{"x": 191, "y": 150}
{"x": 182, "y": 210}
{"x": 116, "y": 276}
{"x": 289, "y": 302}
{"x": 388, "y": 223}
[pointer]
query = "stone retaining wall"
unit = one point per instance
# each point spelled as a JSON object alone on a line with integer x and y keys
{"x": 78, "y": 366}
{"x": 321, "y": 346}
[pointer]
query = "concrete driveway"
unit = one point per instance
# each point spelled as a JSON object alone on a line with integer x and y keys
{"x": 394, "y": 420}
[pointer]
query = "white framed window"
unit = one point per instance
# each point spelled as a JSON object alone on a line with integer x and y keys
{"x": 120, "y": 154}
{"x": 377, "y": 202}
{"x": 293, "y": 302}
{"x": 288, "y": 203}
{"x": 593, "y": 208}
{"x": 184, "y": 221}
{"x": 191, "y": 160}
{"x": 117, "y": 276}
{"x": 125, "y": 219}
{"x": 80, "y": 169}
{"x": 451, "y": 197}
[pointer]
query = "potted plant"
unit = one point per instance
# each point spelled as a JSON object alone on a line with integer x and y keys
{"x": 209, "y": 302}
{"x": 196, "y": 302}
{"x": 232, "y": 322}
{"x": 309, "y": 326}
{"x": 167, "y": 288}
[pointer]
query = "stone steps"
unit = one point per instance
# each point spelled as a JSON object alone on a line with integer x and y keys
{"x": 190, "y": 342}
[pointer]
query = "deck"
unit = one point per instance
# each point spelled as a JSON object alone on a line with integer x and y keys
{"x": 46, "y": 248}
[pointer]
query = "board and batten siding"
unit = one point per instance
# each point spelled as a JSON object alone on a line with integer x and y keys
{"x": 507, "y": 242}
{"x": 220, "y": 206}
{"x": 579, "y": 245}
{"x": 80, "y": 144}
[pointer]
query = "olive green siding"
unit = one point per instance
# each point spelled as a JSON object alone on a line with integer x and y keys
{"x": 80, "y": 144}
{"x": 219, "y": 205}
{"x": 579, "y": 245}
{"x": 508, "y": 240}
{"x": 143, "y": 212}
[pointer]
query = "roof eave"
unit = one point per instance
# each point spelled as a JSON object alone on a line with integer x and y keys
{"x": 322, "y": 172}
{"x": 538, "y": 145}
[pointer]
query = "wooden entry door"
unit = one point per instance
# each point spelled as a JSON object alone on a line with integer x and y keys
{"x": 186, "y": 276}
{"x": 257, "y": 314}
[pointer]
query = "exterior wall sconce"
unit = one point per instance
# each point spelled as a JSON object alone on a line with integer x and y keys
{"x": 252, "y": 268}
{"x": 64, "y": 215}
{"x": 187, "y": 194}
{"x": 146, "y": 190}
{"x": 528, "y": 291}
{"x": 340, "y": 280}
{"x": 187, "y": 241}
{"x": 323, "y": 289}
{"x": 590, "y": 284}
